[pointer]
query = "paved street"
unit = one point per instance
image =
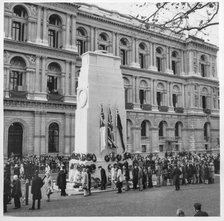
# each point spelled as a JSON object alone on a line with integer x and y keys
{"x": 162, "y": 201}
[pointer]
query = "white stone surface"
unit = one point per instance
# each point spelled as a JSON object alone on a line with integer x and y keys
{"x": 100, "y": 83}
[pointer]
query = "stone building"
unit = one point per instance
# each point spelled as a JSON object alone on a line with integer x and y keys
{"x": 171, "y": 84}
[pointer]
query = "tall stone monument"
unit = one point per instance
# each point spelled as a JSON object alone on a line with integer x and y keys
{"x": 100, "y": 83}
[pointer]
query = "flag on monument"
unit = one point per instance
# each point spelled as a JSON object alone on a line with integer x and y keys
{"x": 102, "y": 130}
{"x": 119, "y": 126}
{"x": 110, "y": 133}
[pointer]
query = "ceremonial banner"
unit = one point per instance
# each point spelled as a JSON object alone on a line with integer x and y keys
{"x": 110, "y": 133}
{"x": 102, "y": 130}
{"x": 119, "y": 126}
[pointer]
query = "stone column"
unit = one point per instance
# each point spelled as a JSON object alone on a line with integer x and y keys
{"x": 67, "y": 133}
{"x": 170, "y": 86}
{"x": 92, "y": 39}
{"x": 63, "y": 40}
{"x": 136, "y": 52}
{"x": 66, "y": 85}
{"x": 73, "y": 80}
{"x": 183, "y": 96}
{"x": 10, "y": 28}
{"x": 96, "y": 39}
{"x": 182, "y": 71}
{"x": 133, "y": 50}
{"x": 27, "y": 83}
{"x": 37, "y": 76}
{"x": 191, "y": 64}
{"x": 155, "y": 93}
{"x": 199, "y": 97}
{"x": 45, "y": 29}
{"x": 38, "y": 39}
{"x": 29, "y": 31}
{"x": 117, "y": 45}
{"x": 72, "y": 132}
{"x": 133, "y": 90}
{"x": 37, "y": 122}
{"x": 114, "y": 43}
{"x": 7, "y": 86}
{"x": 43, "y": 133}
{"x": 136, "y": 131}
{"x": 67, "y": 40}
{"x": 43, "y": 76}
{"x": 63, "y": 83}
{"x": 137, "y": 100}
{"x": 73, "y": 29}
{"x": 152, "y": 93}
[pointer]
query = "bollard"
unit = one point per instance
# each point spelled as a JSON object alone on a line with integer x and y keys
{"x": 27, "y": 191}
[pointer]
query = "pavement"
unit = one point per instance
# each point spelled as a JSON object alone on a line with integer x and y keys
{"x": 161, "y": 201}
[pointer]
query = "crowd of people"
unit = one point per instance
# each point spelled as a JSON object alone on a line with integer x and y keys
{"x": 136, "y": 172}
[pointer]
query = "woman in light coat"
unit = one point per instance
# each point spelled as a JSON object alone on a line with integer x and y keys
{"x": 85, "y": 182}
{"x": 48, "y": 185}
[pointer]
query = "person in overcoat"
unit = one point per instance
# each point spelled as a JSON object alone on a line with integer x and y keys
{"x": 176, "y": 177}
{"x": 48, "y": 185}
{"x": 103, "y": 178}
{"x": 61, "y": 181}
{"x": 140, "y": 177}
{"x": 37, "y": 183}
{"x": 16, "y": 191}
{"x": 135, "y": 177}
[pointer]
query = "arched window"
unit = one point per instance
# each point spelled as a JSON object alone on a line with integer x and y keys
{"x": 19, "y": 23}
{"x": 143, "y": 129}
{"x": 143, "y": 92}
{"x": 202, "y": 66}
{"x": 178, "y": 130}
{"x": 55, "y": 31}
{"x": 53, "y": 78}
{"x": 142, "y": 55}
{"x": 162, "y": 129}
{"x": 129, "y": 125}
{"x": 159, "y": 60}
{"x": 15, "y": 139}
{"x": 176, "y": 93}
{"x": 124, "y": 51}
{"x": 81, "y": 35}
{"x": 160, "y": 94}
{"x": 205, "y": 99}
{"x": 103, "y": 42}
{"x": 174, "y": 63}
{"x": 17, "y": 74}
{"x": 53, "y": 138}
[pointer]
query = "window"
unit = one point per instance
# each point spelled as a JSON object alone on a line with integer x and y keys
{"x": 103, "y": 41}
{"x": 204, "y": 106}
{"x": 174, "y": 62}
{"x": 18, "y": 70}
{"x": 159, "y": 59}
{"x": 175, "y": 100}
{"x": 126, "y": 95}
{"x": 161, "y": 132}
{"x": 16, "y": 79}
{"x": 142, "y": 55}
{"x": 160, "y": 148}
{"x": 19, "y": 23}
{"x": 55, "y": 31}
{"x": 159, "y": 98}
{"x": 124, "y": 44}
{"x": 81, "y": 40}
{"x": 142, "y": 97}
{"x": 143, "y": 148}
{"x": 141, "y": 60}
{"x": 143, "y": 129}
{"x": 53, "y": 138}
{"x": 54, "y": 74}
{"x": 123, "y": 57}
{"x": 202, "y": 65}
{"x": 178, "y": 128}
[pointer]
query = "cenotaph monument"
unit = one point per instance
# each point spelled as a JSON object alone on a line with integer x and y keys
{"x": 100, "y": 85}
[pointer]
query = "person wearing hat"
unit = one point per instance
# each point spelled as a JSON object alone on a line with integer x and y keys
{"x": 61, "y": 181}
{"x": 103, "y": 178}
{"x": 37, "y": 183}
{"x": 16, "y": 191}
{"x": 197, "y": 207}
{"x": 176, "y": 177}
{"x": 48, "y": 185}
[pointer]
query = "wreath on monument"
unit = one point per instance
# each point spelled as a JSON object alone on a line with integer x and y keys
{"x": 107, "y": 158}
{"x": 112, "y": 156}
{"x": 73, "y": 155}
{"x": 93, "y": 166}
{"x": 118, "y": 157}
{"x": 89, "y": 157}
{"x": 94, "y": 159}
{"x": 83, "y": 157}
{"x": 78, "y": 156}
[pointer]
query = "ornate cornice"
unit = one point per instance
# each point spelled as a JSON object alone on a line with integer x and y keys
{"x": 39, "y": 50}
{"x": 31, "y": 105}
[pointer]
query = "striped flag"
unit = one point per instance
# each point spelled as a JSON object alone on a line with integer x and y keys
{"x": 110, "y": 133}
{"x": 102, "y": 130}
{"x": 120, "y": 128}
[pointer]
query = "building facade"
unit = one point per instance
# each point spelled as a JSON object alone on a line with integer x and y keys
{"x": 171, "y": 84}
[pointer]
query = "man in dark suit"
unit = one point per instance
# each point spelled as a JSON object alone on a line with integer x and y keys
{"x": 16, "y": 191}
{"x": 103, "y": 178}
{"x": 37, "y": 183}
{"x": 61, "y": 180}
{"x": 176, "y": 177}
{"x": 197, "y": 207}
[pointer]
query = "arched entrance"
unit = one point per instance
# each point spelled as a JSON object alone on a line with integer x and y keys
{"x": 15, "y": 139}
